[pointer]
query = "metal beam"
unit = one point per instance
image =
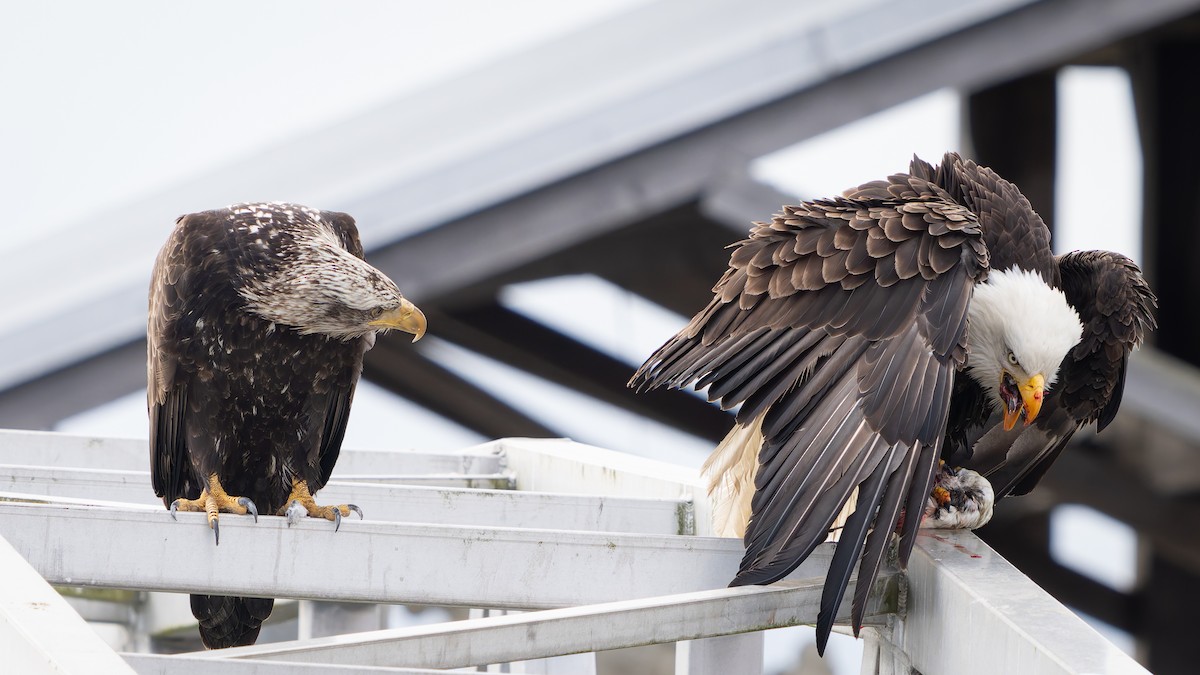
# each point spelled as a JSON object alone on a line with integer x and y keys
{"x": 1079, "y": 476}
{"x": 739, "y": 199}
{"x": 519, "y": 341}
{"x": 1013, "y": 129}
{"x": 39, "y": 448}
{"x": 970, "y": 609}
{"x": 182, "y": 664}
{"x": 682, "y": 254}
{"x": 41, "y": 402}
{"x": 396, "y": 366}
{"x": 960, "y": 590}
{"x": 574, "y": 467}
{"x": 573, "y": 630}
{"x": 720, "y": 655}
{"x": 1168, "y": 604}
{"x": 40, "y": 632}
{"x": 393, "y": 503}
{"x": 1171, "y": 226}
{"x": 1024, "y": 541}
{"x": 535, "y": 225}
{"x": 365, "y": 561}
{"x": 676, "y": 255}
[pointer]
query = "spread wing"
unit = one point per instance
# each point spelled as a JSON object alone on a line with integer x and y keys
{"x": 838, "y": 328}
{"x": 166, "y": 393}
{"x": 1117, "y": 309}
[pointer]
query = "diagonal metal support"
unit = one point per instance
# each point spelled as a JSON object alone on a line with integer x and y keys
{"x": 398, "y": 367}
{"x": 512, "y": 338}
{"x": 181, "y": 664}
{"x": 572, "y": 630}
{"x": 40, "y": 632}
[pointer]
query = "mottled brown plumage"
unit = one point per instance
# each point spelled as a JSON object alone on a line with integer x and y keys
{"x": 259, "y": 317}
{"x": 841, "y": 327}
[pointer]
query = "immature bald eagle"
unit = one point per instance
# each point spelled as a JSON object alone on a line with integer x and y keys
{"x": 259, "y": 318}
{"x": 840, "y": 329}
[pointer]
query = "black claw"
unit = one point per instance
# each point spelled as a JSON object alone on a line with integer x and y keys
{"x": 174, "y": 505}
{"x": 337, "y": 518}
{"x": 354, "y": 508}
{"x": 245, "y": 503}
{"x": 216, "y": 528}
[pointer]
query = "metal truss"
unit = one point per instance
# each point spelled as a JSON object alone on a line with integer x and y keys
{"x": 592, "y": 550}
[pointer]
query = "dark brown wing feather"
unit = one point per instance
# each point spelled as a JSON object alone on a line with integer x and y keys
{"x": 1116, "y": 307}
{"x": 336, "y": 414}
{"x": 1013, "y": 232}
{"x": 166, "y": 397}
{"x": 843, "y": 322}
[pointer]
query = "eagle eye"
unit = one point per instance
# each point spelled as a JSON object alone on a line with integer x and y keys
{"x": 1012, "y": 359}
{"x": 375, "y": 313}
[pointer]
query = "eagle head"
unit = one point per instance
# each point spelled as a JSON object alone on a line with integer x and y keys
{"x": 1020, "y": 330}
{"x": 319, "y": 287}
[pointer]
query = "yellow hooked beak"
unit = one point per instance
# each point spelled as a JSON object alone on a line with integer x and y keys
{"x": 406, "y": 317}
{"x": 1032, "y": 393}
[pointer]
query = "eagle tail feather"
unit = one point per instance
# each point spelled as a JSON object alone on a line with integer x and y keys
{"x": 228, "y": 621}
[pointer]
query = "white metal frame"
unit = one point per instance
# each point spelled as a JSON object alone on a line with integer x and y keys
{"x": 614, "y": 556}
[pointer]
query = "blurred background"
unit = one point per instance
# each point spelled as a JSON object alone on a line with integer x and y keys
{"x": 554, "y": 184}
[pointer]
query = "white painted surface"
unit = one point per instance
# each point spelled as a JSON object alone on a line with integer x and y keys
{"x": 40, "y": 633}
{"x": 720, "y": 655}
{"x": 967, "y": 608}
{"x": 970, "y": 610}
{"x": 563, "y": 631}
{"x": 42, "y": 448}
{"x": 574, "y": 467}
{"x": 394, "y": 503}
{"x": 159, "y": 664}
{"x": 365, "y": 561}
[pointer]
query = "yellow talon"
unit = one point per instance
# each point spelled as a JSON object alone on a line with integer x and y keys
{"x": 213, "y": 500}
{"x": 941, "y": 495}
{"x": 301, "y": 499}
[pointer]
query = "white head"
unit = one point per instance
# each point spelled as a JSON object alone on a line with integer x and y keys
{"x": 1020, "y": 331}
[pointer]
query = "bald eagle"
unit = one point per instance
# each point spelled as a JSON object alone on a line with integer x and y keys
{"x": 259, "y": 318}
{"x": 867, "y": 336}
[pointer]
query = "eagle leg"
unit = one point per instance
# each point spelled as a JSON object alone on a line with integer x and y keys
{"x": 212, "y": 500}
{"x": 301, "y": 503}
{"x": 961, "y": 499}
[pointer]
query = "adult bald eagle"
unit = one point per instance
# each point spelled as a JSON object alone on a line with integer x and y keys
{"x": 259, "y": 318}
{"x": 841, "y": 329}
